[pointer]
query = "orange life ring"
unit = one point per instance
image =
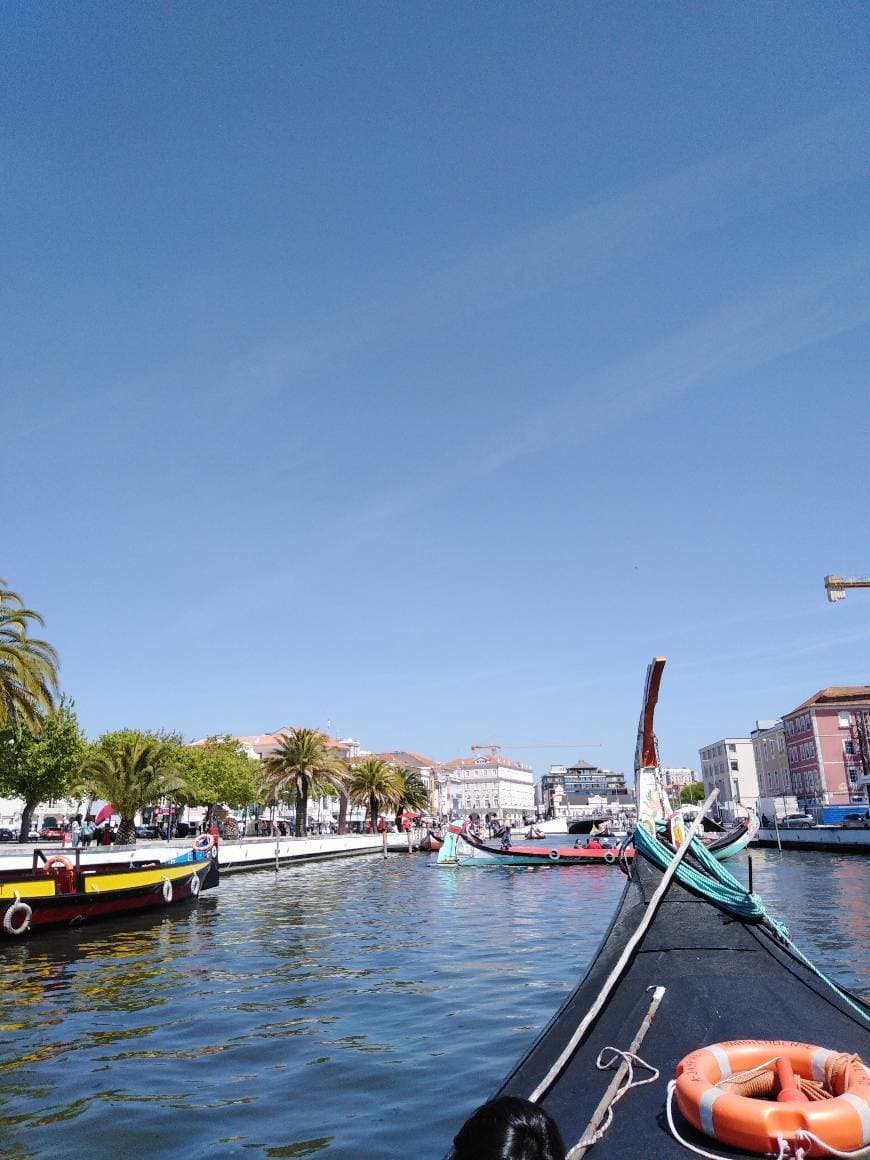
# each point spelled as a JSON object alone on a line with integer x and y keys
{"x": 203, "y": 843}
{"x": 842, "y": 1123}
{"x": 57, "y": 860}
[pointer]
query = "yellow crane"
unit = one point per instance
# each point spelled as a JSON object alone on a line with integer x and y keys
{"x": 836, "y": 586}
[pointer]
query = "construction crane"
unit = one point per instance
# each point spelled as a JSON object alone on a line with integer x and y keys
{"x": 494, "y": 748}
{"x": 836, "y": 586}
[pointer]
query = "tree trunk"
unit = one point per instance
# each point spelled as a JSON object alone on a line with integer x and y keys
{"x": 373, "y": 809}
{"x": 26, "y": 818}
{"x": 301, "y": 810}
{"x": 126, "y": 835}
{"x": 342, "y": 812}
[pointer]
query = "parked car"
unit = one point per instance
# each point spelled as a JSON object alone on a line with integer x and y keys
{"x": 859, "y": 820}
{"x": 52, "y": 830}
{"x": 32, "y": 835}
{"x": 147, "y": 832}
{"x": 796, "y": 822}
{"x": 7, "y": 835}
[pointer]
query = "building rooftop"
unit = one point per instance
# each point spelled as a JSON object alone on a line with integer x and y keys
{"x": 851, "y": 695}
{"x": 406, "y": 758}
{"x": 485, "y": 759}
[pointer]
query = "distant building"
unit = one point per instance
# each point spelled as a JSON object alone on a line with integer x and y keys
{"x": 677, "y": 777}
{"x": 568, "y": 790}
{"x": 424, "y": 767}
{"x": 827, "y": 741}
{"x": 490, "y": 783}
{"x": 771, "y": 759}
{"x": 729, "y": 766}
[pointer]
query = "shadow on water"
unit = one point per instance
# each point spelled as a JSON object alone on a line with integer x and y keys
{"x": 339, "y": 1009}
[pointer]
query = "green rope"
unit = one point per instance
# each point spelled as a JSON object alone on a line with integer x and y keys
{"x": 720, "y": 887}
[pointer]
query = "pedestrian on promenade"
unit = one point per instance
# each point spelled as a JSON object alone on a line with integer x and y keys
{"x": 76, "y": 829}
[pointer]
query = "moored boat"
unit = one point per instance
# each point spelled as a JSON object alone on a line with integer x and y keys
{"x": 693, "y": 981}
{"x": 462, "y": 848}
{"x": 431, "y": 842}
{"x": 65, "y": 891}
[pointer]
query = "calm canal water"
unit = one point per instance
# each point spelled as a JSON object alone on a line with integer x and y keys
{"x": 346, "y": 1009}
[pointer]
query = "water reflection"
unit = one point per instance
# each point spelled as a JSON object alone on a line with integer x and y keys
{"x": 281, "y": 1014}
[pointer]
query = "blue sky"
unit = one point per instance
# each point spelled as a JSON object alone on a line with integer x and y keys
{"x": 425, "y": 369}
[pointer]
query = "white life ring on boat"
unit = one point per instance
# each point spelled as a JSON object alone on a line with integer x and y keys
{"x": 203, "y": 843}
{"x": 195, "y": 885}
{"x": 554, "y": 855}
{"x": 167, "y": 890}
{"x": 609, "y": 856}
{"x": 17, "y": 907}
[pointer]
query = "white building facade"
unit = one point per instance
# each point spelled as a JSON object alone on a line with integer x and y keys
{"x": 729, "y": 766}
{"x": 493, "y": 784}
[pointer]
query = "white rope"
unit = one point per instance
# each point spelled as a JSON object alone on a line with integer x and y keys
{"x": 698, "y": 1151}
{"x": 784, "y": 1152}
{"x": 628, "y": 950}
{"x": 804, "y": 1134}
{"x": 629, "y": 1059}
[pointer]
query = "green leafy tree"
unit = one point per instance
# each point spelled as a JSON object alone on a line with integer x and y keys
{"x": 131, "y": 770}
{"x": 303, "y": 763}
{"x": 40, "y": 764}
{"x": 374, "y": 783}
{"x": 413, "y": 794}
{"x": 219, "y": 771}
{"x": 28, "y": 666}
{"x": 692, "y": 793}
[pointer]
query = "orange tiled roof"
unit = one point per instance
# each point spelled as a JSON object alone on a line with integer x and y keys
{"x": 489, "y": 759}
{"x": 837, "y": 694}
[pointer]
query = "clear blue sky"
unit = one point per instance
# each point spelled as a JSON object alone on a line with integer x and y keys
{"x": 426, "y": 368}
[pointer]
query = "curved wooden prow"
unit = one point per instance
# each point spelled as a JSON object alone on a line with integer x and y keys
{"x": 646, "y": 754}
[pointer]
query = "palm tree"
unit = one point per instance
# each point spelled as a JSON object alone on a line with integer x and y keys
{"x": 140, "y": 770}
{"x": 303, "y": 762}
{"x": 374, "y": 783}
{"x": 413, "y": 791}
{"x": 28, "y": 666}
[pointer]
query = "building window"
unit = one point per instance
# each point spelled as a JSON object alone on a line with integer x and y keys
{"x": 843, "y": 720}
{"x": 732, "y": 748}
{"x": 734, "y": 766}
{"x": 849, "y": 748}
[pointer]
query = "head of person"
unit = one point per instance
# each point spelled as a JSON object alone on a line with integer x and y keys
{"x": 509, "y": 1128}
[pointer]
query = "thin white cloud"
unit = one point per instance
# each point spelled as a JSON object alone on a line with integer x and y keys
{"x": 585, "y": 245}
{"x": 786, "y": 315}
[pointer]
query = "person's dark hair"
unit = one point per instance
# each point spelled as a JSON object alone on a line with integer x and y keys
{"x": 509, "y": 1128}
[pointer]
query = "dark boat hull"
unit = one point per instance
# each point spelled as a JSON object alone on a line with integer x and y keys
{"x": 103, "y": 892}
{"x": 724, "y": 979}
{"x": 587, "y": 825}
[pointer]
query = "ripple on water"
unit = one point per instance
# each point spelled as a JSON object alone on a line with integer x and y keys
{"x": 330, "y": 1010}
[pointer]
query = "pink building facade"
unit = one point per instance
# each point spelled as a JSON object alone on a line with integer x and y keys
{"x": 828, "y": 744}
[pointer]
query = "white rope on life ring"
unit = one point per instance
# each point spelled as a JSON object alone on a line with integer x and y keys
{"x": 610, "y": 857}
{"x": 17, "y": 907}
{"x": 554, "y": 855}
{"x": 195, "y": 885}
{"x": 167, "y": 890}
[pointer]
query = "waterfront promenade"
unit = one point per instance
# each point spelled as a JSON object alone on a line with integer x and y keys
{"x": 233, "y": 856}
{"x": 836, "y": 839}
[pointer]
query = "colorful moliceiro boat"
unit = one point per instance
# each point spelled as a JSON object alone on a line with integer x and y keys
{"x": 462, "y": 848}
{"x": 63, "y": 891}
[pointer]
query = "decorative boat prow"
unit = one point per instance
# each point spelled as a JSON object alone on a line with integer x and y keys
{"x": 652, "y": 804}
